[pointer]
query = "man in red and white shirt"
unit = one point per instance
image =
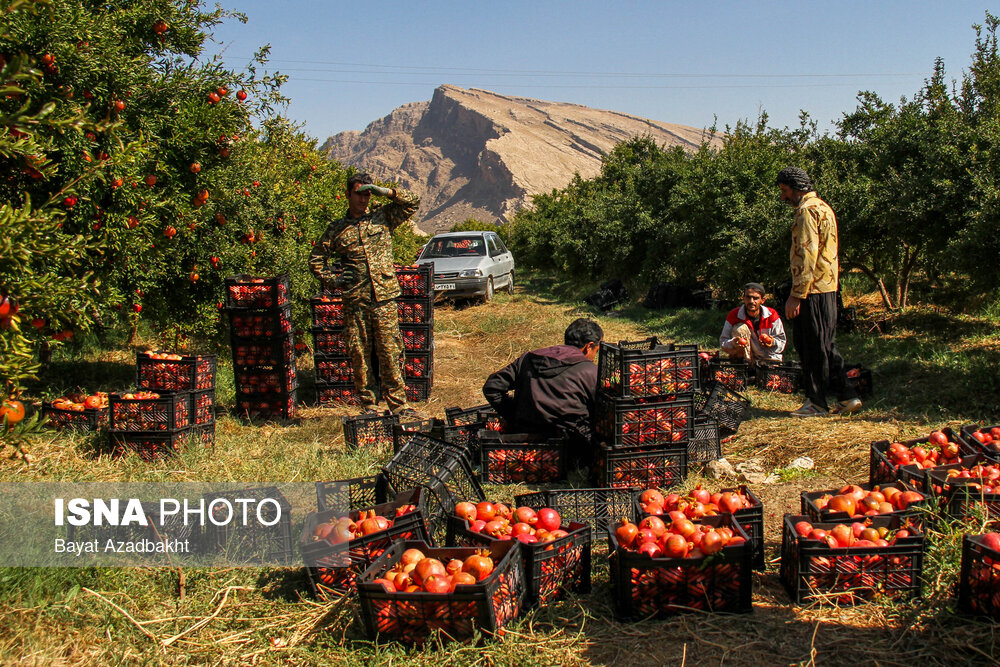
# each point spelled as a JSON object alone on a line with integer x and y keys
{"x": 753, "y": 331}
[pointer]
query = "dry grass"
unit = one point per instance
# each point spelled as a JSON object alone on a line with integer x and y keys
{"x": 243, "y": 616}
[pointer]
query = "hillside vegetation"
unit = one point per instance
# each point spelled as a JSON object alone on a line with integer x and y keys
{"x": 915, "y": 186}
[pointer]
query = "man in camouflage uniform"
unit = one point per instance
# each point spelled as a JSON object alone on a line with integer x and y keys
{"x": 812, "y": 304}
{"x": 362, "y": 242}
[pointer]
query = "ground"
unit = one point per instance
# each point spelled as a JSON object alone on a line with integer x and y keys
{"x": 265, "y": 616}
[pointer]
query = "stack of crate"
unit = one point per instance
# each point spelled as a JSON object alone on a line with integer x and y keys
{"x": 260, "y": 325}
{"x": 334, "y": 371}
{"x": 153, "y": 424}
{"x": 191, "y": 375}
{"x": 644, "y": 415}
{"x": 416, "y": 326}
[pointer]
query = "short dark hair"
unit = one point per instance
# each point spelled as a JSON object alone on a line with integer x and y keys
{"x": 582, "y": 331}
{"x": 363, "y": 178}
{"x": 796, "y": 178}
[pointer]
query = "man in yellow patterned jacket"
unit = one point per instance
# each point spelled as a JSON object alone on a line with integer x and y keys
{"x": 812, "y": 304}
{"x": 362, "y": 243}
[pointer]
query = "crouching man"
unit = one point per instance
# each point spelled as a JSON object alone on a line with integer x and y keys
{"x": 552, "y": 390}
{"x": 753, "y": 331}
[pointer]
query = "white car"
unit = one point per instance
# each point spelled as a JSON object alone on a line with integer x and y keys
{"x": 469, "y": 264}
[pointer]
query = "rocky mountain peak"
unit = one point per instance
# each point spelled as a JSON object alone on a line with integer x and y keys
{"x": 472, "y": 153}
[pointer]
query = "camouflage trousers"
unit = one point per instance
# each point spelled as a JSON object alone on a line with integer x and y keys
{"x": 373, "y": 328}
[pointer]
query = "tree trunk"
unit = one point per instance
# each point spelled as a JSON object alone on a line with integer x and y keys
{"x": 906, "y": 272}
{"x": 886, "y": 299}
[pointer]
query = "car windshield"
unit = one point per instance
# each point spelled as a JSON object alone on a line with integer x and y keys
{"x": 454, "y": 246}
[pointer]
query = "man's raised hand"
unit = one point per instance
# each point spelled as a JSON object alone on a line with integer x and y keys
{"x": 375, "y": 189}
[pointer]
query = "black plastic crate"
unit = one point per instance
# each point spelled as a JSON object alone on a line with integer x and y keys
{"x": 990, "y": 448}
{"x": 418, "y": 390}
{"x": 150, "y": 445}
{"x": 643, "y": 587}
{"x": 964, "y": 497}
{"x": 598, "y": 508}
{"x": 418, "y": 365}
{"x": 628, "y": 423}
{"x": 917, "y": 477}
{"x": 728, "y": 407}
{"x": 513, "y": 458}
{"x": 813, "y": 571}
{"x": 334, "y": 567}
{"x": 86, "y": 420}
{"x": 258, "y": 324}
{"x": 330, "y": 342}
{"x": 881, "y": 469}
{"x": 265, "y": 379}
{"x": 783, "y": 378}
{"x": 327, "y": 312}
{"x": 333, "y": 369}
{"x": 979, "y": 581}
{"x": 245, "y": 291}
{"x": 660, "y": 467}
{"x": 277, "y": 405}
{"x": 170, "y": 412}
{"x": 860, "y": 378}
{"x": 204, "y": 434}
{"x": 401, "y": 431}
{"x": 251, "y": 352}
{"x": 416, "y": 280}
{"x": 809, "y": 506}
{"x": 473, "y": 415}
{"x": 462, "y": 426}
{"x": 443, "y": 469}
{"x": 337, "y": 393}
{"x": 415, "y": 310}
{"x": 411, "y": 618}
{"x": 705, "y": 444}
{"x": 253, "y": 542}
{"x": 733, "y": 374}
{"x": 189, "y": 373}
{"x": 551, "y": 569}
{"x": 369, "y": 430}
{"x": 647, "y": 368}
{"x": 202, "y": 407}
{"x": 344, "y": 495}
{"x": 160, "y": 529}
{"x": 417, "y": 337}
{"x": 751, "y": 519}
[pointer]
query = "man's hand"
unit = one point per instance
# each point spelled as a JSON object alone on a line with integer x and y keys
{"x": 374, "y": 189}
{"x": 793, "y": 307}
{"x": 347, "y": 278}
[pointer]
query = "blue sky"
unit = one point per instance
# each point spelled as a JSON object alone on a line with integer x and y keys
{"x": 677, "y": 62}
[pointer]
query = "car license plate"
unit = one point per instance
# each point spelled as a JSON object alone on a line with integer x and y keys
{"x": 441, "y": 287}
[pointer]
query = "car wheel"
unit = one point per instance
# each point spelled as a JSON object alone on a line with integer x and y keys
{"x": 489, "y": 291}
{"x": 510, "y": 283}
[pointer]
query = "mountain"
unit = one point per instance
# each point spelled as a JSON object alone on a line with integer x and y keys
{"x": 471, "y": 153}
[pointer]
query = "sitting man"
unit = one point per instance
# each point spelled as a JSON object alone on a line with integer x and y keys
{"x": 753, "y": 331}
{"x": 553, "y": 389}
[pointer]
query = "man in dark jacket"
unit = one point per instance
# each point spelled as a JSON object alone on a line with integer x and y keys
{"x": 553, "y": 389}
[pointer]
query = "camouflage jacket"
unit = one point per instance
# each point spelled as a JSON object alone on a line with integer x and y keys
{"x": 365, "y": 244}
{"x": 815, "y": 267}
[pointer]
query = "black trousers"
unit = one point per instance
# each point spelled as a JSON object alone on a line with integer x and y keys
{"x": 822, "y": 365}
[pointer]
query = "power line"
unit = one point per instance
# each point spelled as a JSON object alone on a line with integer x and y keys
{"x": 585, "y": 86}
{"x": 428, "y": 69}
